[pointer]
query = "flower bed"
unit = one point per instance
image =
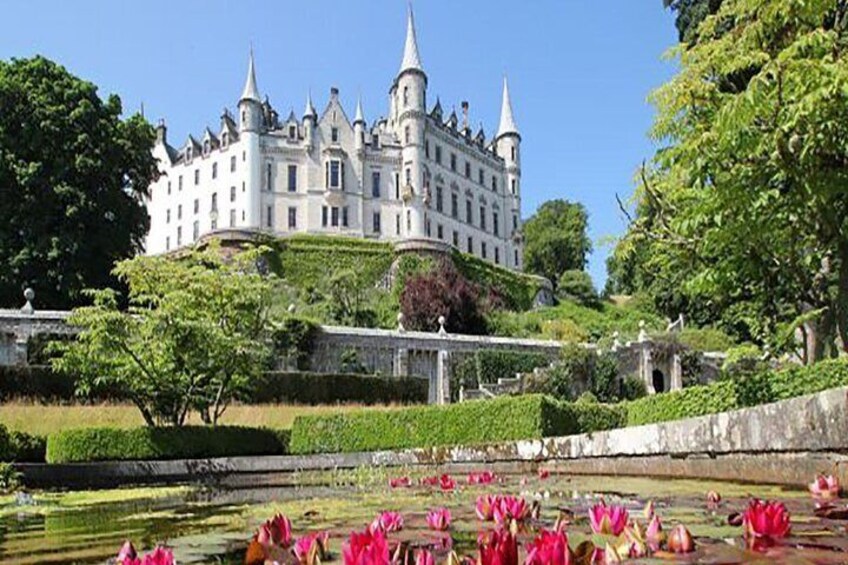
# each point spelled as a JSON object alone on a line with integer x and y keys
{"x": 188, "y": 442}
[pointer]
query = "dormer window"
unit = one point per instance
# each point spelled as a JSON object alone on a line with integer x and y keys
{"x": 206, "y": 147}
{"x": 225, "y": 139}
{"x": 188, "y": 154}
{"x": 334, "y": 135}
{"x": 292, "y": 132}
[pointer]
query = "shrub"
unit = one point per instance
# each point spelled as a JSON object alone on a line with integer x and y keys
{"x": 633, "y": 388}
{"x": 742, "y": 360}
{"x": 294, "y": 338}
{"x": 706, "y": 339}
{"x": 566, "y": 331}
{"x": 755, "y": 389}
{"x": 594, "y": 417}
{"x": 517, "y": 291}
{"x": 605, "y": 383}
{"x": 39, "y": 383}
{"x": 443, "y": 292}
{"x": 481, "y": 421}
{"x": 316, "y": 388}
{"x": 28, "y": 448}
{"x": 577, "y": 285}
{"x": 7, "y": 450}
{"x": 10, "y": 479}
{"x": 158, "y": 443}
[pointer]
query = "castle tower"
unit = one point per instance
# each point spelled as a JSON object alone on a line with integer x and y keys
{"x": 409, "y": 101}
{"x": 359, "y": 126}
{"x": 508, "y": 146}
{"x": 310, "y": 119}
{"x": 250, "y": 114}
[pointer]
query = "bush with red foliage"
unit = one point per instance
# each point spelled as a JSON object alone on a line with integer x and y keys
{"x": 443, "y": 291}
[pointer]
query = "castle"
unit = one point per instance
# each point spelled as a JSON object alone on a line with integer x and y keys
{"x": 415, "y": 175}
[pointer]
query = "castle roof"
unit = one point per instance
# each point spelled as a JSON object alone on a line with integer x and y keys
{"x": 251, "y": 92}
{"x": 507, "y": 124}
{"x": 411, "y": 59}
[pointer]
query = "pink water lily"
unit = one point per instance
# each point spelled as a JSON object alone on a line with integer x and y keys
{"x": 127, "y": 554}
{"x": 497, "y": 548}
{"x": 544, "y": 474}
{"x": 680, "y": 540}
{"x": 608, "y": 519}
{"x": 366, "y": 548}
{"x": 275, "y": 532}
{"x": 766, "y": 520}
{"x": 388, "y": 522}
{"x": 315, "y": 543}
{"x": 485, "y": 507}
{"x": 549, "y": 548}
{"x": 654, "y": 534}
{"x": 439, "y": 519}
{"x": 424, "y": 557}
{"x": 481, "y": 478}
{"x": 446, "y": 482}
{"x": 400, "y": 482}
{"x": 509, "y": 508}
{"x": 825, "y": 488}
{"x": 429, "y": 481}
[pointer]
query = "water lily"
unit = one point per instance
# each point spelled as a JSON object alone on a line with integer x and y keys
{"x": 680, "y": 540}
{"x": 276, "y": 532}
{"x": 366, "y": 548}
{"x": 608, "y": 519}
{"x": 429, "y": 481}
{"x": 510, "y": 508}
{"x": 311, "y": 548}
{"x": 424, "y": 557}
{"x": 549, "y": 548}
{"x": 485, "y": 507}
{"x": 400, "y": 482}
{"x": 439, "y": 519}
{"x": 388, "y": 522}
{"x": 127, "y": 553}
{"x": 766, "y": 520}
{"x": 497, "y": 548}
{"x": 713, "y": 499}
{"x": 654, "y": 534}
{"x": 544, "y": 474}
{"x": 648, "y": 511}
{"x": 825, "y": 488}
{"x": 446, "y": 482}
{"x": 481, "y": 478}
{"x": 636, "y": 544}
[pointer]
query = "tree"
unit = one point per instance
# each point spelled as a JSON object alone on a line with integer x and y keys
{"x": 443, "y": 291}
{"x": 555, "y": 239}
{"x": 72, "y": 178}
{"x": 690, "y": 14}
{"x": 577, "y": 286}
{"x": 195, "y": 333}
{"x": 748, "y": 188}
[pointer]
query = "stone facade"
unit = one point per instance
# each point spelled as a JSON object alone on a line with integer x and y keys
{"x": 417, "y": 174}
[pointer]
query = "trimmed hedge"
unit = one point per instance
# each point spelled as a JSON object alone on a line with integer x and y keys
{"x": 21, "y": 446}
{"x": 742, "y": 392}
{"x": 316, "y": 388}
{"x": 188, "y": 442}
{"x": 482, "y": 421}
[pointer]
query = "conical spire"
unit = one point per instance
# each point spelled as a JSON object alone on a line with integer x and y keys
{"x": 411, "y": 60}
{"x": 507, "y": 124}
{"x": 310, "y": 109}
{"x": 359, "y": 116}
{"x": 251, "y": 92}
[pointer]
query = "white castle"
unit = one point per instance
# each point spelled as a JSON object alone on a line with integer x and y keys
{"x": 416, "y": 175}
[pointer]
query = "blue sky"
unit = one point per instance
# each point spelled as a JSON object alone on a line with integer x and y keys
{"x": 579, "y": 70}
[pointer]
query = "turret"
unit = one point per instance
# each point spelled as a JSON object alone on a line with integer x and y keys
{"x": 359, "y": 126}
{"x": 250, "y": 104}
{"x": 409, "y": 97}
{"x": 250, "y": 114}
{"x": 508, "y": 146}
{"x": 310, "y": 118}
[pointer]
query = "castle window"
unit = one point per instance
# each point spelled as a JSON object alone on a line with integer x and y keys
{"x": 206, "y": 147}
{"x": 438, "y": 155}
{"x": 324, "y": 216}
{"x": 180, "y": 183}
{"x": 513, "y": 186}
{"x": 292, "y": 217}
{"x": 516, "y": 258}
{"x": 344, "y": 216}
{"x": 334, "y": 216}
{"x": 494, "y": 184}
{"x": 168, "y": 216}
{"x": 188, "y": 154}
{"x": 334, "y": 135}
{"x": 233, "y": 164}
{"x": 179, "y": 235}
{"x": 167, "y": 243}
{"x": 440, "y": 231}
{"x": 427, "y": 228}
{"x": 375, "y": 141}
{"x": 232, "y": 194}
{"x": 483, "y": 249}
{"x": 214, "y": 170}
{"x": 292, "y": 132}
{"x": 406, "y": 135}
{"x": 483, "y": 218}
{"x": 438, "y": 199}
{"x": 179, "y": 211}
{"x": 515, "y": 221}
{"x": 196, "y": 177}
{"x": 497, "y": 255}
{"x": 375, "y": 222}
{"x": 375, "y": 184}
{"x": 481, "y": 177}
{"x": 196, "y": 206}
{"x": 405, "y": 95}
{"x": 455, "y": 238}
{"x": 334, "y": 174}
{"x": 397, "y": 186}
{"x": 427, "y": 148}
{"x": 214, "y": 223}
{"x": 454, "y": 205}
{"x": 468, "y": 213}
{"x": 242, "y": 186}
{"x": 225, "y": 139}
{"x": 495, "y": 223}
{"x": 513, "y": 152}
{"x": 453, "y": 162}
{"x": 244, "y": 156}
{"x": 408, "y": 222}
{"x": 467, "y": 170}
{"x": 214, "y": 207}
{"x": 397, "y": 224}
{"x": 169, "y": 187}
{"x": 195, "y": 230}
{"x": 408, "y": 176}
{"x": 268, "y": 179}
{"x": 269, "y": 216}
{"x": 292, "y": 180}
{"x": 470, "y": 245}
{"x": 232, "y": 218}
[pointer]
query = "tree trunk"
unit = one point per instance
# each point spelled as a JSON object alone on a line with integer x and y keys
{"x": 842, "y": 295}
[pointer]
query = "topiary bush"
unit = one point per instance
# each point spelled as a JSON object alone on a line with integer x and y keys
{"x": 317, "y": 388}
{"x": 161, "y": 443}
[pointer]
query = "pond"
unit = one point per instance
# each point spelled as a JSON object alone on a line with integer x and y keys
{"x": 215, "y": 526}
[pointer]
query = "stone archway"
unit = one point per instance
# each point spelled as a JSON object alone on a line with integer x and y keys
{"x": 658, "y": 380}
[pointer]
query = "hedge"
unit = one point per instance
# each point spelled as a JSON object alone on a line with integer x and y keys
{"x": 482, "y": 421}
{"x": 37, "y": 383}
{"x": 21, "y": 446}
{"x": 745, "y": 391}
{"x": 316, "y": 388}
{"x": 488, "y": 365}
{"x": 148, "y": 443}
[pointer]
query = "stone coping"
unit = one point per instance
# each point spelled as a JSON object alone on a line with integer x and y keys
{"x": 778, "y": 434}
{"x": 427, "y": 336}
